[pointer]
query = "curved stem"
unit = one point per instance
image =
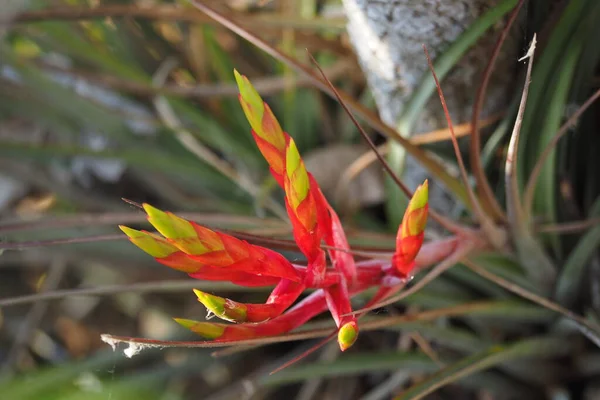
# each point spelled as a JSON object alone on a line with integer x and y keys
{"x": 445, "y": 222}
{"x": 494, "y": 235}
{"x": 378, "y": 323}
{"x": 462, "y": 250}
{"x": 516, "y": 216}
{"x": 483, "y": 185}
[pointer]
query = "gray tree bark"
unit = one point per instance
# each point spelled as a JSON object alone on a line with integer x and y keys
{"x": 388, "y": 36}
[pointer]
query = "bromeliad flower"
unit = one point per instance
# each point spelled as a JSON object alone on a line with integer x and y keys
{"x": 201, "y": 252}
{"x": 211, "y": 255}
{"x": 412, "y": 231}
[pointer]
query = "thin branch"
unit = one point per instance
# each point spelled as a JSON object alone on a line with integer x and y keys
{"x": 494, "y": 235}
{"x": 584, "y": 326}
{"x": 483, "y": 186}
{"x": 310, "y": 388}
{"x": 133, "y": 203}
{"x": 461, "y": 130}
{"x": 537, "y": 169}
{"x": 540, "y": 267}
{"x": 370, "y": 325}
{"x": 305, "y": 354}
{"x": 463, "y": 249}
{"x": 445, "y": 222}
{"x": 364, "y": 134}
{"x": 568, "y": 227}
{"x": 513, "y": 201}
{"x": 426, "y": 348}
{"x": 112, "y": 218}
{"x": 264, "y": 85}
{"x": 371, "y": 118}
{"x": 369, "y": 157}
{"x": 281, "y": 244}
{"x": 212, "y": 221}
{"x": 57, "y": 242}
{"x": 169, "y": 13}
{"x": 254, "y": 239}
{"x": 143, "y": 287}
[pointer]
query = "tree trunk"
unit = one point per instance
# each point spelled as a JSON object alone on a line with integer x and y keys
{"x": 388, "y": 36}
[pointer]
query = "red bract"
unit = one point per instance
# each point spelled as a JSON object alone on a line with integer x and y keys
{"x": 210, "y": 255}
{"x": 412, "y": 231}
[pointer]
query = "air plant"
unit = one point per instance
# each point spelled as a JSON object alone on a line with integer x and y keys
{"x": 335, "y": 276}
{"x": 206, "y": 254}
{"x": 210, "y": 255}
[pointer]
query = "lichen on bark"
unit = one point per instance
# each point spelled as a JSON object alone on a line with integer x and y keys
{"x": 388, "y": 35}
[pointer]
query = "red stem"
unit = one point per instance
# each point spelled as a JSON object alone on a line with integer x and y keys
{"x": 297, "y": 316}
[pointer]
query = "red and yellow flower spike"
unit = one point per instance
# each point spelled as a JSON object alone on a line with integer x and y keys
{"x": 202, "y": 252}
{"x": 311, "y": 216}
{"x": 167, "y": 254}
{"x": 301, "y": 204}
{"x": 412, "y": 231}
{"x": 212, "y": 255}
{"x": 312, "y": 305}
{"x": 280, "y": 151}
{"x": 267, "y": 132}
{"x": 309, "y": 307}
{"x": 283, "y": 296}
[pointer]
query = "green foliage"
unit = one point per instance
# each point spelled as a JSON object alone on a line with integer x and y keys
{"x": 196, "y": 154}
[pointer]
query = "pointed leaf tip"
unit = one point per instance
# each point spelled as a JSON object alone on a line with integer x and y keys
{"x": 250, "y": 100}
{"x": 168, "y": 224}
{"x": 420, "y": 197}
{"x": 186, "y": 323}
{"x": 207, "y": 330}
{"x": 347, "y": 335}
{"x": 415, "y": 217}
{"x": 130, "y": 232}
{"x": 221, "y": 307}
{"x": 154, "y": 245}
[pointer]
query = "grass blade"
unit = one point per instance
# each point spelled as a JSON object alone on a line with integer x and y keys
{"x": 545, "y": 346}
{"x": 572, "y": 275}
{"x": 550, "y": 146}
{"x": 534, "y": 259}
{"x": 583, "y": 325}
{"x": 483, "y": 185}
{"x": 494, "y": 235}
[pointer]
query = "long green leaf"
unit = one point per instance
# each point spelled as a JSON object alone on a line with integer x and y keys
{"x": 554, "y": 105}
{"x": 572, "y": 276}
{"x": 352, "y": 364}
{"x": 545, "y": 347}
{"x": 551, "y": 80}
{"x": 454, "y": 338}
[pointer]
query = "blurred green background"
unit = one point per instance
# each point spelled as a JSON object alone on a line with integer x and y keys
{"x": 103, "y": 100}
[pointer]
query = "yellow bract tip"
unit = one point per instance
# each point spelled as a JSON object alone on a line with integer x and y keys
{"x": 168, "y": 224}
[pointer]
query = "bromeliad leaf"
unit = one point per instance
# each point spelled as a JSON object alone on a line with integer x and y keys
{"x": 412, "y": 231}
{"x": 197, "y": 250}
